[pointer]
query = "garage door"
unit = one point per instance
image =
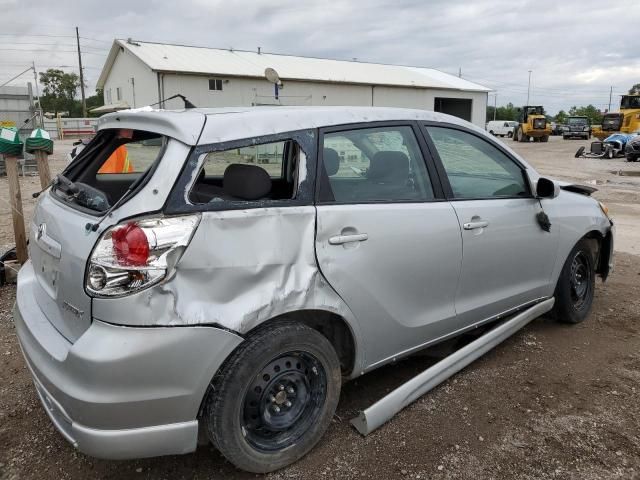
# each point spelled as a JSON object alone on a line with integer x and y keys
{"x": 458, "y": 107}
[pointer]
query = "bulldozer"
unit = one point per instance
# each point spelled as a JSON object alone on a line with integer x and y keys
{"x": 532, "y": 123}
{"x": 626, "y": 121}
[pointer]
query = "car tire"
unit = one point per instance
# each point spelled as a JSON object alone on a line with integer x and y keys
{"x": 580, "y": 152}
{"x": 274, "y": 397}
{"x": 522, "y": 137}
{"x": 491, "y": 132}
{"x": 609, "y": 153}
{"x": 564, "y": 137}
{"x": 510, "y": 134}
{"x": 576, "y": 285}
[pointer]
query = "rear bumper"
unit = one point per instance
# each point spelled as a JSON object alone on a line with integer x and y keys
{"x": 120, "y": 392}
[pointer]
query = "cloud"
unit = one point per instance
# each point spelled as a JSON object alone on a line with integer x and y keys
{"x": 576, "y": 49}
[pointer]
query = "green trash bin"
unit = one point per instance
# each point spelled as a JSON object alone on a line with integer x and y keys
{"x": 10, "y": 143}
{"x": 39, "y": 141}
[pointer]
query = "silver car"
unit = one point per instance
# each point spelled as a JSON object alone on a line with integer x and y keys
{"x": 226, "y": 270}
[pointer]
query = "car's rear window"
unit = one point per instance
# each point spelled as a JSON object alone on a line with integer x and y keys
{"x": 113, "y": 163}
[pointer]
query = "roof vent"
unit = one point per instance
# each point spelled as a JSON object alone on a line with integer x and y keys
{"x": 131, "y": 42}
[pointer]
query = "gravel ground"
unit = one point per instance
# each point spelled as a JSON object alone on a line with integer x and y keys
{"x": 554, "y": 401}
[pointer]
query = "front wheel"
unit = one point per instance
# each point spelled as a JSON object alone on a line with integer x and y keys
{"x": 274, "y": 398}
{"x": 609, "y": 153}
{"x": 576, "y": 285}
{"x": 521, "y": 136}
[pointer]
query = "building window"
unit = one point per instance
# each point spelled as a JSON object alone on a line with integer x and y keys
{"x": 109, "y": 95}
{"x": 215, "y": 84}
{"x": 118, "y": 93}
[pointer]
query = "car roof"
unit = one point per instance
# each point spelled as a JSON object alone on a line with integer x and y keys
{"x": 202, "y": 126}
{"x": 213, "y": 125}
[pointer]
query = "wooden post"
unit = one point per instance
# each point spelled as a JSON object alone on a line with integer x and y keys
{"x": 43, "y": 168}
{"x": 15, "y": 199}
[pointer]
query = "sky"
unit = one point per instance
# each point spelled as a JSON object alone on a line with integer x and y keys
{"x": 576, "y": 50}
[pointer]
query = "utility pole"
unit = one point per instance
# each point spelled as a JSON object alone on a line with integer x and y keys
{"x": 39, "y": 110}
{"x": 529, "y": 88}
{"x": 495, "y": 105}
{"x": 610, "y": 95}
{"x": 460, "y": 72}
{"x": 84, "y": 102}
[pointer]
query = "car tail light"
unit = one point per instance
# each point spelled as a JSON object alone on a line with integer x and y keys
{"x": 133, "y": 256}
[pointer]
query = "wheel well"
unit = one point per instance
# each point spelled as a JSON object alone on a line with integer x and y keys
{"x": 329, "y": 324}
{"x": 602, "y": 251}
{"x": 600, "y": 246}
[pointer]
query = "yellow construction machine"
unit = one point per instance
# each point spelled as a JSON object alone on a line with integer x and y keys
{"x": 532, "y": 123}
{"x": 626, "y": 121}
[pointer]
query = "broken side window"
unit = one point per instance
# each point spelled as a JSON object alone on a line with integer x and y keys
{"x": 250, "y": 173}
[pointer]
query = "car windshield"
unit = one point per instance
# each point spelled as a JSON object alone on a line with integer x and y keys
{"x": 577, "y": 121}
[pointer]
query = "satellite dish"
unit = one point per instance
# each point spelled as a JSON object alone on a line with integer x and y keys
{"x": 272, "y": 75}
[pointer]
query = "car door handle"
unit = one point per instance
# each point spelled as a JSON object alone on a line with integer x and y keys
{"x": 475, "y": 225}
{"x": 342, "y": 239}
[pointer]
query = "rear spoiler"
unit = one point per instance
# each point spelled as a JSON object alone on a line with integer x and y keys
{"x": 581, "y": 189}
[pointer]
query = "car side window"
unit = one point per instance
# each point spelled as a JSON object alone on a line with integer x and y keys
{"x": 257, "y": 172}
{"x": 382, "y": 164}
{"x": 475, "y": 168}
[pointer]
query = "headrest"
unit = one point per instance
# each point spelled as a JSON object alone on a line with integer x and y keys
{"x": 331, "y": 161}
{"x": 247, "y": 182}
{"x": 389, "y": 166}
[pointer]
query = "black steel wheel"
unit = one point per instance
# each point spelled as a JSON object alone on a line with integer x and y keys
{"x": 274, "y": 397}
{"x": 576, "y": 285}
{"x": 580, "y": 275}
{"x": 283, "y": 400}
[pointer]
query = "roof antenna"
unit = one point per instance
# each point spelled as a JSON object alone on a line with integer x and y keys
{"x": 258, "y": 50}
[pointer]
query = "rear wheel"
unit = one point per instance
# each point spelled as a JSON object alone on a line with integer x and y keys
{"x": 576, "y": 285}
{"x": 274, "y": 398}
{"x": 491, "y": 132}
{"x": 510, "y": 134}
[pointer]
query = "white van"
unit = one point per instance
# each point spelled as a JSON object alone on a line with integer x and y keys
{"x": 501, "y": 128}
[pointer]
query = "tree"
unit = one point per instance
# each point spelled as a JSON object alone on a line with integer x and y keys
{"x": 507, "y": 112}
{"x": 94, "y": 101}
{"x": 635, "y": 90}
{"x": 59, "y": 91}
{"x": 561, "y": 117}
{"x": 594, "y": 115}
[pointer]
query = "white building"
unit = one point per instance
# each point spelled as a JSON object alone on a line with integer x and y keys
{"x": 142, "y": 73}
{"x": 15, "y": 105}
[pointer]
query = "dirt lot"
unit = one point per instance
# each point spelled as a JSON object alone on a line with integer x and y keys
{"x": 554, "y": 401}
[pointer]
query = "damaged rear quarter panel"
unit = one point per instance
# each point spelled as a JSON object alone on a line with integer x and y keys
{"x": 247, "y": 263}
{"x": 242, "y": 268}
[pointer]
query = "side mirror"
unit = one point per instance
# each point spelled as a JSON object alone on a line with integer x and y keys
{"x": 546, "y": 188}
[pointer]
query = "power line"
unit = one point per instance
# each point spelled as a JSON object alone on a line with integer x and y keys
{"x": 97, "y": 40}
{"x": 34, "y": 35}
{"x": 48, "y": 51}
{"x": 55, "y": 45}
